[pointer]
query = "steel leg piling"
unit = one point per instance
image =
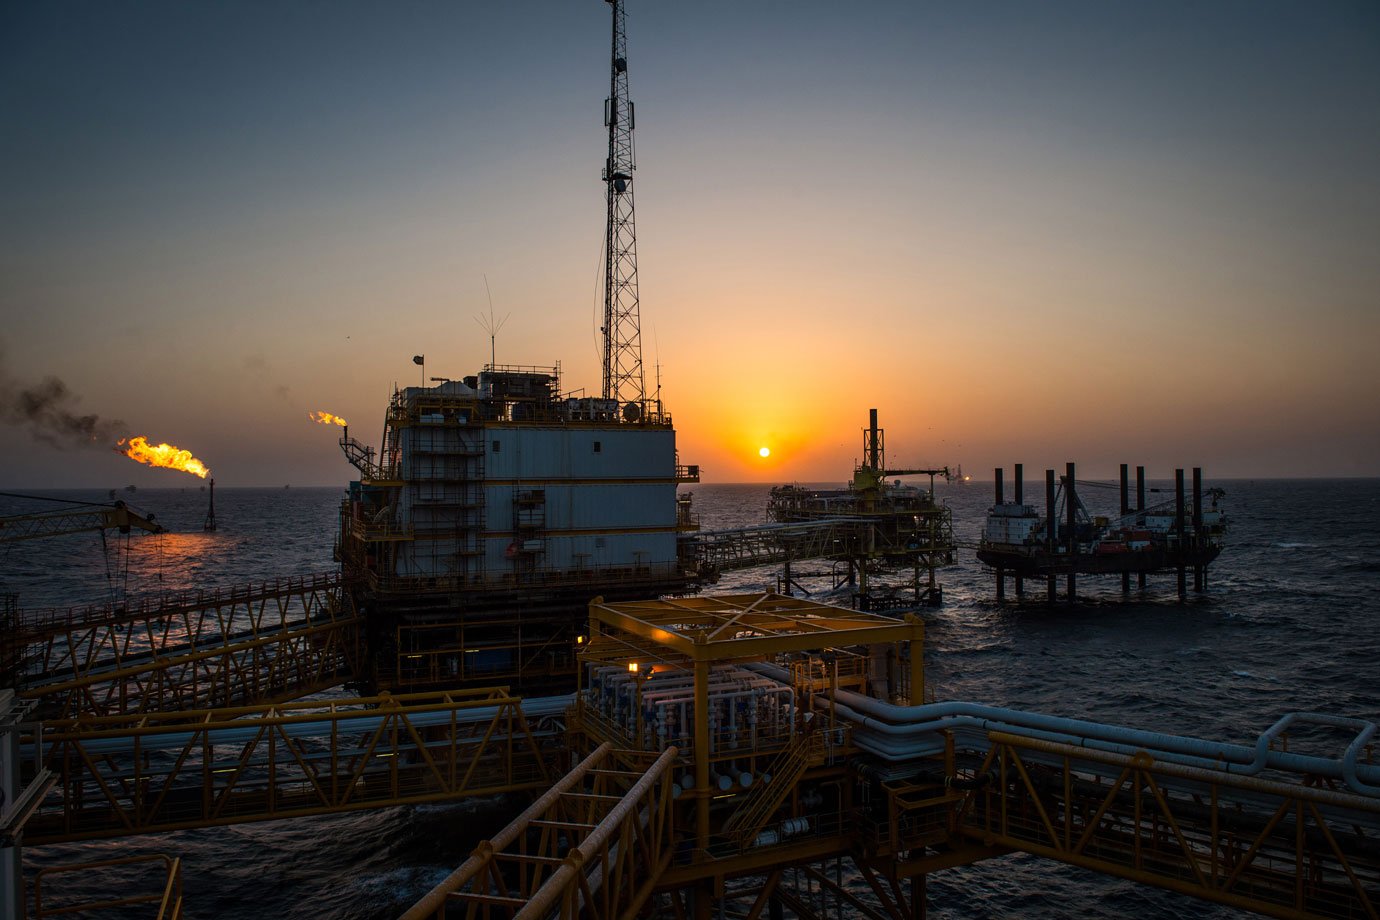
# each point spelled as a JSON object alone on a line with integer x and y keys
{"x": 1140, "y": 508}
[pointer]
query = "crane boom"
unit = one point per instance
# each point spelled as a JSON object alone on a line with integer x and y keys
{"x": 56, "y": 523}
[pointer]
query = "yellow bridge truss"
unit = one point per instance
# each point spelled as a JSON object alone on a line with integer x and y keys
{"x": 1281, "y": 849}
{"x": 144, "y": 773}
{"x": 248, "y": 644}
{"x": 593, "y": 846}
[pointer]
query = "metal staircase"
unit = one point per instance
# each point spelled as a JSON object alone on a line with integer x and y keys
{"x": 765, "y": 798}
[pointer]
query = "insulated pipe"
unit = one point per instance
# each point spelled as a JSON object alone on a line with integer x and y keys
{"x": 907, "y": 721}
{"x": 1253, "y": 758}
{"x": 906, "y": 742}
{"x": 675, "y": 694}
{"x": 1271, "y": 787}
{"x": 1191, "y": 752}
{"x": 366, "y": 720}
{"x": 1350, "y": 769}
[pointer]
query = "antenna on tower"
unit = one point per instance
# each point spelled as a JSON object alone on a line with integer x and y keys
{"x": 623, "y": 378}
{"x": 656, "y": 346}
{"x": 658, "y": 387}
{"x": 489, "y": 326}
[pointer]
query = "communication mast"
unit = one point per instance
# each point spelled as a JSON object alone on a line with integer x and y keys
{"x": 623, "y": 378}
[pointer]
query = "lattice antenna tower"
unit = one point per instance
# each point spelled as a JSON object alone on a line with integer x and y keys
{"x": 623, "y": 377}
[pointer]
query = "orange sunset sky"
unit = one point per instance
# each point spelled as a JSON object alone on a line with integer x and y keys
{"x": 1025, "y": 233}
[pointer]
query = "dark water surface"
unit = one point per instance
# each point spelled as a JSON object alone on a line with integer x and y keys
{"x": 1290, "y": 621}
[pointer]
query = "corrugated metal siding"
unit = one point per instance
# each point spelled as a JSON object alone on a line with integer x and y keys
{"x": 597, "y": 551}
{"x": 441, "y": 475}
{"x": 586, "y": 507}
{"x": 568, "y": 453}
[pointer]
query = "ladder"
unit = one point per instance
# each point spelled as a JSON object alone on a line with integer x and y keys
{"x": 765, "y": 798}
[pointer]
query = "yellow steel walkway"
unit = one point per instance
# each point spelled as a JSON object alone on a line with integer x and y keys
{"x": 144, "y": 773}
{"x": 241, "y": 645}
{"x": 1284, "y": 849}
{"x": 593, "y": 846}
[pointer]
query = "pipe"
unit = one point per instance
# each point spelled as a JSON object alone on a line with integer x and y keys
{"x": 1254, "y": 759}
{"x": 1268, "y": 786}
{"x": 366, "y": 720}
{"x": 1229, "y": 758}
{"x": 909, "y": 721}
{"x": 899, "y": 746}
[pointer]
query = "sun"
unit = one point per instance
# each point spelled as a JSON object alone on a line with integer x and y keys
{"x": 764, "y": 452}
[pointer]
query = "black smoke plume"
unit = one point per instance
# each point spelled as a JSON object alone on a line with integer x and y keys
{"x": 48, "y": 410}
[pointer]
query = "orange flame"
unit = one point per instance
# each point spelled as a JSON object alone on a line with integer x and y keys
{"x": 326, "y": 418}
{"x": 174, "y": 458}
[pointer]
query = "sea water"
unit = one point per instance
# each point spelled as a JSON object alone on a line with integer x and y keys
{"x": 1290, "y": 621}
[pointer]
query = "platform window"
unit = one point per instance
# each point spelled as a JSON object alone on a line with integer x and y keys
{"x": 598, "y": 447}
{"x": 497, "y": 446}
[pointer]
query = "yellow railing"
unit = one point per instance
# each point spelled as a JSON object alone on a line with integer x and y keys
{"x": 1278, "y": 848}
{"x": 614, "y": 841}
{"x": 233, "y": 646}
{"x": 765, "y": 798}
{"x": 164, "y": 771}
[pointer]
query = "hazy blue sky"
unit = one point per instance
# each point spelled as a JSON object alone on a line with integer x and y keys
{"x": 1024, "y": 231}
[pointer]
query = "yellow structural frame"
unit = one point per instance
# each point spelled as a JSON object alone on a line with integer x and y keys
{"x": 702, "y": 631}
{"x": 237, "y": 646}
{"x": 591, "y": 847}
{"x": 243, "y": 764}
{"x": 737, "y": 627}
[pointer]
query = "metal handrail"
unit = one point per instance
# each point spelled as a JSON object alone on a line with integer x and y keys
{"x": 40, "y": 620}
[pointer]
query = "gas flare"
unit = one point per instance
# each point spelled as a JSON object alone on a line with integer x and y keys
{"x": 174, "y": 458}
{"x": 326, "y": 418}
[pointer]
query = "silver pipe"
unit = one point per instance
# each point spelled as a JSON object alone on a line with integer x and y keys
{"x": 883, "y": 717}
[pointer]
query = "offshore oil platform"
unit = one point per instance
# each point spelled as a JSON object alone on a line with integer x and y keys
{"x": 495, "y": 510}
{"x": 1175, "y": 535}
{"x": 882, "y": 525}
{"x": 720, "y": 755}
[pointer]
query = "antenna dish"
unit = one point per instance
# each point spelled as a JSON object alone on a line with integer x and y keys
{"x": 632, "y": 412}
